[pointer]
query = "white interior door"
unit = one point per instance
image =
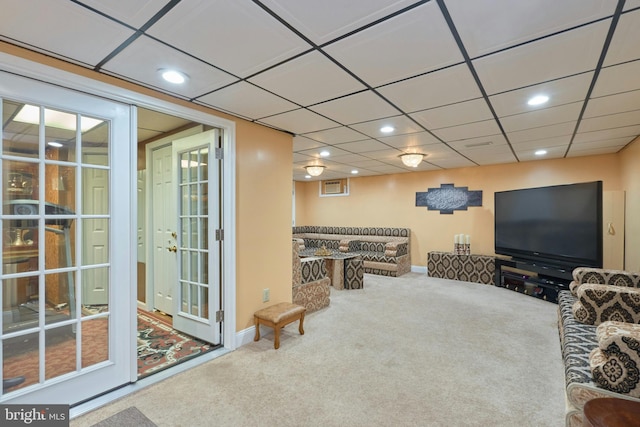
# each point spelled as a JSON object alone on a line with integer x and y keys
{"x": 196, "y": 184}
{"x": 164, "y": 231}
{"x": 95, "y": 196}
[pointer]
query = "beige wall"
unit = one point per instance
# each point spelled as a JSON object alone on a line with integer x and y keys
{"x": 263, "y": 198}
{"x": 389, "y": 201}
{"x": 630, "y": 171}
{"x": 263, "y": 194}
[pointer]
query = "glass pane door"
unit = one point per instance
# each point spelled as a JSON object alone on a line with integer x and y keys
{"x": 56, "y": 220}
{"x": 198, "y": 253}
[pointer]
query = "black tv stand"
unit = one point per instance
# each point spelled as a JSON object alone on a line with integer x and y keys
{"x": 545, "y": 282}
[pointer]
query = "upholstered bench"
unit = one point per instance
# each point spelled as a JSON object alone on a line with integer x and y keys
{"x": 278, "y": 316}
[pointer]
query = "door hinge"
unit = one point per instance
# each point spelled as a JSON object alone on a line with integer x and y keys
{"x": 219, "y": 315}
{"x": 219, "y": 234}
{"x": 219, "y": 154}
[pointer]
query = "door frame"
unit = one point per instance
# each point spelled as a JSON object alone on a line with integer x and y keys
{"x": 100, "y": 86}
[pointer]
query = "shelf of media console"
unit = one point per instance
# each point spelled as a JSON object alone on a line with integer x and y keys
{"x": 544, "y": 282}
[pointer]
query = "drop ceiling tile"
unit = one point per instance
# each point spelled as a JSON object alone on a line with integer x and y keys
{"x": 411, "y": 140}
{"x": 610, "y": 121}
{"x": 455, "y": 114}
{"x": 495, "y": 159}
{"x": 351, "y": 159}
{"x": 608, "y": 134}
{"x": 455, "y": 162}
{"x": 618, "y": 79}
{"x": 321, "y": 21}
{"x": 367, "y": 163}
{"x": 562, "y": 91}
{"x": 556, "y": 152}
{"x": 611, "y": 143}
{"x": 542, "y": 117}
{"x": 612, "y": 104}
{"x": 62, "y": 28}
{"x": 142, "y": 59}
{"x": 403, "y": 46}
{"x": 489, "y": 25}
{"x": 390, "y": 169}
{"x": 490, "y": 155}
{"x": 551, "y": 131}
{"x": 363, "y": 146}
{"x": 624, "y": 45}
{"x": 469, "y": 130}
{"x": 243, "y": 40}
{"x": 333, "y": 152}
{"x": 299, "y": 121}
{"x": 544, "y": 143}
{"x": 570, "y": 53}
{"x": 307, "y": 80}
{"x": 361, "y": 107}
{"x": 247, "y": 100}
{"x": 134, "y": 13}
{"x": 336, "y": 135}
{"x": 455, "y": 84}
{"x": 301, "y": 143}
{"x": 400, "y": 124}
{"x": 631, "y": 4}
{"x": 594, "y": 151}
{"x": 481, "y": 143}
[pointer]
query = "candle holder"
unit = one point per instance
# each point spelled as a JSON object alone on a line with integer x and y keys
{"x": 466, "y": 249}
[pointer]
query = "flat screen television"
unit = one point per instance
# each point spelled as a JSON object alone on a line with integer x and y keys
{"x": 558, "y": 225}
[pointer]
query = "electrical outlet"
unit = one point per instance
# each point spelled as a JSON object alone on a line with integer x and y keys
{"x": 265, "y": 295}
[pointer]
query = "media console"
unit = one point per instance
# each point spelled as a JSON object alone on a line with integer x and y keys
{"x": 533, "y": 278}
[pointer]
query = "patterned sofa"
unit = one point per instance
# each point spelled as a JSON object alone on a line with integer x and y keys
{"x": 384, "y": 251}
{"x": 599, "y": 337}
{"x": 310, "y": 287}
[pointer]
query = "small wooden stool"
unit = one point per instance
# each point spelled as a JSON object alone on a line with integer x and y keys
{"x": 277, "y": 316}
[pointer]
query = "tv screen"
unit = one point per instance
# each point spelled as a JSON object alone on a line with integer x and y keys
{"x": 560, "y": 225}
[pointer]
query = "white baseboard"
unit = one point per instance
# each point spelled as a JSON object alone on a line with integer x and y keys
{"x": 245, "y": 336}
{"x": 419, "y": 269}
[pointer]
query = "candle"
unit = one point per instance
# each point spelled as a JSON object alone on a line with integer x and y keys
{"x": 468, "y": 239}
{"x": 456, "y": 239}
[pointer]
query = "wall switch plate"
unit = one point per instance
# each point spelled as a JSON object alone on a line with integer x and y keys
{"x": 265, "y": 295}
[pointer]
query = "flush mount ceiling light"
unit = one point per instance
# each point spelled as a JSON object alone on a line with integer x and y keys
{"x": 412, "y": 159}
{"x": 314, "y": 170}
{"x": 387, "y": 129}
{"x": 540, "y": 152}
{"x": 55, "y": 144}
{"x": 173, "y": 76}
{"x": 354, "y": 172}
{"x": 324, "y": 153}
{"x": 538, "y": 100}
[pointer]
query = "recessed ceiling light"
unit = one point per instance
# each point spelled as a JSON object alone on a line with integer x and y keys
{"x": 54, "y": 144}
{"x": 324, "y": 153}
{"x": 538, "y": 100}
{"x": 540, "y": 152}
{"x": 387, "y": 129}
{"x": 308, "y": 176}
{"x": 355, "y": 172}
{"x": 173, "y": 76}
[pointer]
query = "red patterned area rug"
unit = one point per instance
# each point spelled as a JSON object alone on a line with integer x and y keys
{"x": 160, "y": 346}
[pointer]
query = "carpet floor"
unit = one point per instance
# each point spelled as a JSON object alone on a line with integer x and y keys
{"x": 407, "y": 351}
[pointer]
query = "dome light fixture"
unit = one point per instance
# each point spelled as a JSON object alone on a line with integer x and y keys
{"x": 314, "y": 170}
{"x": 173, "y": 76}
{"x": 412, "y": 159}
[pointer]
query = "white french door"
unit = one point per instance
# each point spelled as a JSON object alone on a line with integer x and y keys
{"x": 197, "y": 188}
{"x": 57, "y": 147}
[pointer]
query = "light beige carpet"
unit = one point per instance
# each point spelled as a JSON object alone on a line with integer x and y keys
{"x": 408, "y": 351}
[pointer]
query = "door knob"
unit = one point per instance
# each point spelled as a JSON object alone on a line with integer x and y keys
{"x": 172, "y": 249}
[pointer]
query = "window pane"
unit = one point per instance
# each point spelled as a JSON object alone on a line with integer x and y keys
{"x": 20, "y": 358}
{"x": 60, "y": 352}
{"x": 95, "y": 242}
{"x": 60, "y": 135}
{"x": 59, "y": 248}
{"x": 95, "y": 341}
{"x": 60, "y": 188}
{"x": 95, "y": 141}
{"x": 60, "y": 296}
{"x": 95, "y": 191}
{"x": 20, "y": 133}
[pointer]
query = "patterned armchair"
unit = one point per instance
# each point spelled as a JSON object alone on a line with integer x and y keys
{"x": 310, "y": 281}
{"x": 583, "y": 275}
